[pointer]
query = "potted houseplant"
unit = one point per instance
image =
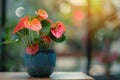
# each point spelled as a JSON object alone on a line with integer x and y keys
{"x": 37, "y": 34}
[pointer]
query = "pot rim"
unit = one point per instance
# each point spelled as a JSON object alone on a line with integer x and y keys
{"x": 47, "y": 50}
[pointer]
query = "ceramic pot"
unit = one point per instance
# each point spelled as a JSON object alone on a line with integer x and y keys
{"x": 41, "y": 64}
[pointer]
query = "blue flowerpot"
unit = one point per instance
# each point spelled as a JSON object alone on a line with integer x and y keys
{"x": 41, "y": 64}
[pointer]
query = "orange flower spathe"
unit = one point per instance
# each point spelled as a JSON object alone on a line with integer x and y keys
{"x": 42, "y": 14}
{"x": 34, "y": 25}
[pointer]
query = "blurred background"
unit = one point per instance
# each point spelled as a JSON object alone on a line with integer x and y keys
{"x": 93, "y": 30}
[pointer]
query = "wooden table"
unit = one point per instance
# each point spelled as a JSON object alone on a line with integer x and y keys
{"x": 54, "y": 76}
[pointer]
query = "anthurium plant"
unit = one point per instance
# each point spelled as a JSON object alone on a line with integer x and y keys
{"x": 38, "y": 32}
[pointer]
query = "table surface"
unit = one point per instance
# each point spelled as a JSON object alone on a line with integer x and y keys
{"x": 54, "y": 76}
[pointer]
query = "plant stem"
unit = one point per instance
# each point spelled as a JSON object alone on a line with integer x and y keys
{"x": 23, "y": 44}
{"x": 23, "y": 41}
{"x": 30, "y": 36}
{"x": 26, "y": 41}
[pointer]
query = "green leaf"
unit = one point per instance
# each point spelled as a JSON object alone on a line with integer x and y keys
{"x": 19, "y": 34}
{"x": 36, "y": 40}
{"x": 61, "y": 39}
{"x": 23, "y": 32}
{"x": 45, "y": 26}
{"x": 10, "y": 41}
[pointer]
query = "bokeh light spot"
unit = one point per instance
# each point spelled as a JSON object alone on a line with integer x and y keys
{"x": 19, "y": 11}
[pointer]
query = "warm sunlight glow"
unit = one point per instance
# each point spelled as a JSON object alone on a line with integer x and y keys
{"x": 78, "y": 2}
{"x": 65, "y": 8}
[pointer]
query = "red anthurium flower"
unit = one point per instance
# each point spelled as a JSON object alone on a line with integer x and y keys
{"x": 20, "y": 25}
{"x": 58, "y": 30}
{"x": 33, "y": 25}
{"x": 32, "y": 49}
{"x": 46, "y": 39}
{"x": 42, "y": 14}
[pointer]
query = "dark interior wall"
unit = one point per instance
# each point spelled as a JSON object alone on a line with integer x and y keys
{"x": 3, "y": 12}
{"x": 2, "y": 23}
{"x": 0, "y": 12}
{"x": 0, "y": 31}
